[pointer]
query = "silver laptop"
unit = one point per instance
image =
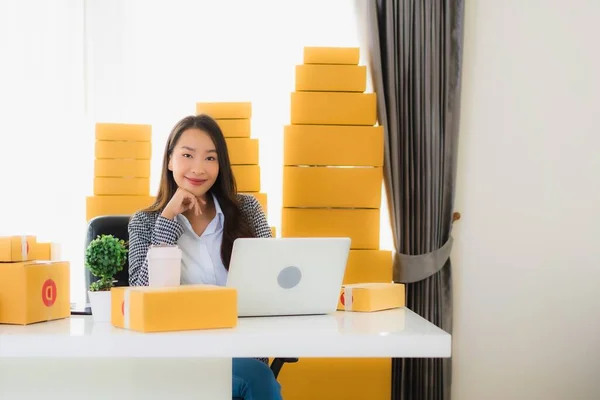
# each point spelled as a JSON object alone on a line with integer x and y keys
{"x": 287, "y": 276}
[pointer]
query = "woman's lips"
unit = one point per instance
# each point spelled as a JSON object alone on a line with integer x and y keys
{"x": 195, "y": 182}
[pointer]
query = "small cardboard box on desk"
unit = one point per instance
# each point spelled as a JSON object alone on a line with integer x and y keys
{"x": 177, "y": 308}
{"x": 370, "y": 297}
{"x": 31, "y": 291}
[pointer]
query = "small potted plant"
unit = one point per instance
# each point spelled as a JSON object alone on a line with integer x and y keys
{"x": 104, "y": 257}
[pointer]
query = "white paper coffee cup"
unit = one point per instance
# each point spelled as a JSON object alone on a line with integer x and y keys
{"x": 164, "y": 266}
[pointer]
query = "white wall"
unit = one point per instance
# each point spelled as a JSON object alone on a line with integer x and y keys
{"x": 526, "y": 257}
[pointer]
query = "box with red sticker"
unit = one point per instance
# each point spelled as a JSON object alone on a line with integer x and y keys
{"x": 17, "y": 248}
{"x": 34, "y": 291}
{"x": 368, "y": 297}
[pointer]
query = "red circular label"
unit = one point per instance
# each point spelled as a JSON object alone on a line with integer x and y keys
{"x": 49, "y": 293}
{"x": 123, "y": 307}
{"x": 343, "y": 299}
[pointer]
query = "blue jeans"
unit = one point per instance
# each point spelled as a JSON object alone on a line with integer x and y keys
{"x": 254, "y": 380}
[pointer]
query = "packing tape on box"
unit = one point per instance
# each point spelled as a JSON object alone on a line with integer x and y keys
{"x": 348, "y": 298}
{"x": 23, "y": 248}
{"x": 126, "y": 310}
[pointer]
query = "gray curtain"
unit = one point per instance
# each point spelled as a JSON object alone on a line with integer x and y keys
{"x": 415, "y": 58}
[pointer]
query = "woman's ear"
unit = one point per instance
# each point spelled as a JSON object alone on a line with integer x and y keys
{"x": 170, "y": 165}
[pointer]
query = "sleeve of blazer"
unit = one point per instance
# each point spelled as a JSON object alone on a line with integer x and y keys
{"x": 145, "y": 231}
{"x": 256, "y": 217}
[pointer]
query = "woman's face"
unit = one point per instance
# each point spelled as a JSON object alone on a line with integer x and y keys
{"x": 194, "y": 162}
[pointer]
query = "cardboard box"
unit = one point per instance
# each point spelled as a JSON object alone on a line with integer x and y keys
{"x": 179, "y": 308}
{"x": 369, "y": 266}
{"x": 360, "y": 225}
{"x": 47, "y": 251}
{"x": 121, "y": 186}
{"x": 241, "y": 127}
{"x": 123, "y": 168}
{"x": 34, "y": 291}
{"x": 332, "y": 187}
{"x": 332, "y": 55}
{"x": 17, "y": 248}
{"x": 312, "y": 144}
{"x": 135, "y": 132}
{"x": 242, "y": 151}
{"x": 129, "y": 150}
{"x": 331, "y": 78}
{"x": 116, "y": 205}
{"x": 356, "y": 378}
{"x": 225, "y": 110}
{"x": 247, "y": 177}
{"x": 369, "y": 297}
{"x": 333, "y": 108}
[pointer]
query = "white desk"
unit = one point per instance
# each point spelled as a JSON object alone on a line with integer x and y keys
{"x": 74, "y": 357}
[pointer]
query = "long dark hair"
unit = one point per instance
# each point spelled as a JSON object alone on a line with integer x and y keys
{"x": 224, "y": 188}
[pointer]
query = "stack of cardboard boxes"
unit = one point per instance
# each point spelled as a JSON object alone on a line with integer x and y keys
{"x": 332, "y": 183}
{"x": 234, "y": 119}
{"x": 121, "y": 170}
{"x": 34, "y": 287}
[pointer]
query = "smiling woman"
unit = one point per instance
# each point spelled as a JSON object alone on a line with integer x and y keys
{"x": 197, "y": 180}
{"x": 199, "y": 210}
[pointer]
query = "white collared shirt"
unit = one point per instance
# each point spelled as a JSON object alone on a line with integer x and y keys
{"x": 201, "y": 255}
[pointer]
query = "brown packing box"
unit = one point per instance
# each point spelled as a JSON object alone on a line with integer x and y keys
{"x": 333, "y": 108}
{"x": 17, "y": 248}
{"x": 121, "y": 186}
{"x": 247, "y": 177}
{"x": 116, "y": 205}
{"x": 242, "y": 151}
{"x": 312, "y": 144}
{"x": 240, "y": 128}
{"x": 47, "y": 251}
{"x": 125, "y": 132}
{"x": 225, "y": 110}
{"x": 361, "y": 225}
{"x": 179, "y": 308}
{"x": 369, "y": 297}
{"x": 331, "y": 78}
{"x": 34, "y": 291}
{"x": 332, "y": 187}
{"x": 122, "y": 168}
{"x": 111, "y": 149}
{"x": 369, "y": 266}
{"x": 332, "y": 55}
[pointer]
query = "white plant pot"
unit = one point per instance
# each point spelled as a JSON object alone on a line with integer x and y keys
{"x": 101, "y": 304}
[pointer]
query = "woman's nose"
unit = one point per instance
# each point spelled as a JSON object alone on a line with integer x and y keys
{"x": 198, "y": 168}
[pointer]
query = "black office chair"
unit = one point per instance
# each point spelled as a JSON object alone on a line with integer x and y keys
{"x": 116, "y": 225}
